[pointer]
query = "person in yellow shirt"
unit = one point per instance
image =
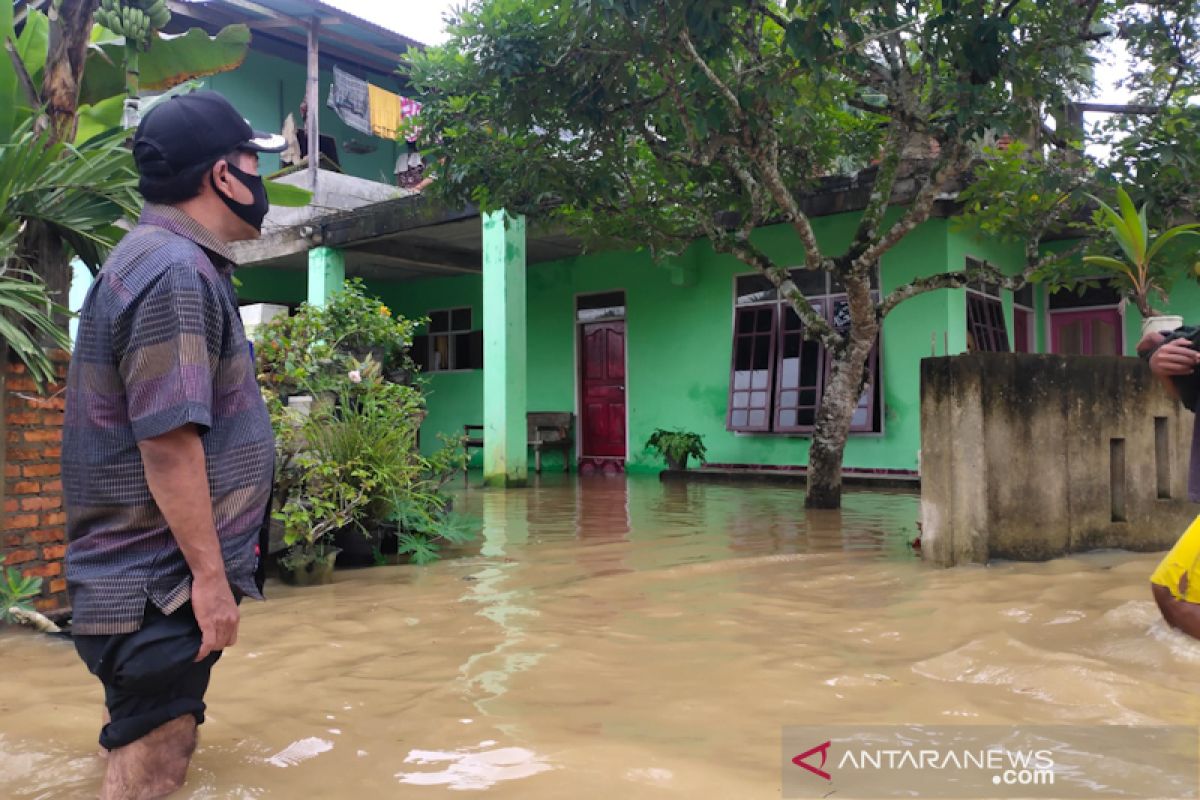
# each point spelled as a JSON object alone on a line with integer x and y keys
{"x": 1175, "y": 584}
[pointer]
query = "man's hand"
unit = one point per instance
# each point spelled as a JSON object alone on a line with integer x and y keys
{"x": 216, "y": 613}
{"x": 1174, "y": 358}
{"x": 178, "y": 479}
{"x": 1149, "y": 342}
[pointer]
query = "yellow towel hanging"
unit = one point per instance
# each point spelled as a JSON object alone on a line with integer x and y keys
{"x": 385, "y": 112}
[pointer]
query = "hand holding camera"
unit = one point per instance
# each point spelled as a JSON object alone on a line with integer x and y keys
{"x": 1176, "y": 355}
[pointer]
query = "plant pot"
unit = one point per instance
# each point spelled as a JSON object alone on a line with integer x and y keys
{"x": 317, "y": 572}
{"x": 677, "y": 464}
{"x": 355, "y": 548}
{"x": 1164, "y": 323}
{"x": 360, "y": 353}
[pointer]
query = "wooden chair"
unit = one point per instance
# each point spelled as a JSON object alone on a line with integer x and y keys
{"x": 545, "y": 430}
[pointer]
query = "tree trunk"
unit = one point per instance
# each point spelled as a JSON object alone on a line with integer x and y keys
{"x": 70, "y": 29}
{"x": 839, "y": 401}
{"x": 42, "y": 251}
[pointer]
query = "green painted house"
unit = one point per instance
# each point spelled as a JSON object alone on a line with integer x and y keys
{"x": 526, "y": 321}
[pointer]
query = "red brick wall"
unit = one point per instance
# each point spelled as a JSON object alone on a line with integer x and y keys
{"x": 34, "y": 522}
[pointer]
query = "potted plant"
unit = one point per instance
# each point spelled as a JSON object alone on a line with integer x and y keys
{"x": 325, "y": 497}
{"x": 1143, "y": 270}
{"x": 676, "y": 447}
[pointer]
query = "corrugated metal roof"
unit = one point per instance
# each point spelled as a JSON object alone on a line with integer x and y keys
{"x": 342, "y": 33}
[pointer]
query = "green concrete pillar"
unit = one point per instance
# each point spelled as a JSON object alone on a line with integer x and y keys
{"x": 326, "y": 274}
{"x": 505, "y": 456}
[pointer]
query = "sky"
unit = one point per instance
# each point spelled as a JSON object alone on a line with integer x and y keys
{"x": 416, "y": 19}
{"x": 422, "y": 20}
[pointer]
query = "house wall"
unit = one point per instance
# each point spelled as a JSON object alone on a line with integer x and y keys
{"x": 33, "y": 520}
{"x": 266, "y": 88}
{"x": 679, "y": 334}
{"x": 1184, "y": 300}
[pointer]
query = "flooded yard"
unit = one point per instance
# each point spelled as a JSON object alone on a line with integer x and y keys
{"x": 622, "y": 638}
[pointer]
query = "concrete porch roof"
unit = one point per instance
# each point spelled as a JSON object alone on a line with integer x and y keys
{"x": 406, "y": 238}
{"x": 403, "y": 238}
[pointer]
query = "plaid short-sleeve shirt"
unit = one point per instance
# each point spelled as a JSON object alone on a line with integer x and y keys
{"x": 160, "y": 345}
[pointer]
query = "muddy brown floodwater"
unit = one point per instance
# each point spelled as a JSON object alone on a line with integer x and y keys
{"x": 620, "y": 638}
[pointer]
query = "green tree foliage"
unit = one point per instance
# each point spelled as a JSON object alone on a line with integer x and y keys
{"x": 657, "y": 122}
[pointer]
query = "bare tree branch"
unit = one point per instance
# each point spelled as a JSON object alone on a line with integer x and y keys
{"x": 983, "y": 272}
{"x": 712, "y": 76}
{"x": 881, "y": 190}
{"x": 948, "y": 167}
{"x": 814, "y": 325}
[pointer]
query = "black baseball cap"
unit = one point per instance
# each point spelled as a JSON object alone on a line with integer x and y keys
{"x": 191, "y": 129}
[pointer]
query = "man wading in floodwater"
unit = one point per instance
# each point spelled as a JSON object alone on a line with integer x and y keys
{"x": 1176, "y": 582}
{"x": 168, "y": 452}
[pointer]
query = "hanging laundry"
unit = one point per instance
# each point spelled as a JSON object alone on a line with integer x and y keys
{"x": 386, "y": 118}
{"x": 410, "y": 108}
{"x": 350, "y": 98}
{"x": 410, "y": 167}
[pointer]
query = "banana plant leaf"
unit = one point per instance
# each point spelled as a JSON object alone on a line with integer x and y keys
{"x": 99, "y": 118}
{"x": 33, "y": 45}
{"x": 172, "y": 59}
{"x": 286, "y": 195}
{"x": 8, "y": 77}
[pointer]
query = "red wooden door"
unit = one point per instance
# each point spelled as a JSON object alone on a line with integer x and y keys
{"x": 603, "y": 389}
{"x": 1095, "y": 332}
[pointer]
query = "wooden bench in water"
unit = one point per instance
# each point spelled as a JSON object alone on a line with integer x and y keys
{"x": 546, "y": 430}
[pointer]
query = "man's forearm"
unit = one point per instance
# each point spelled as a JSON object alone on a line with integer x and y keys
{"x": 178, "y": 480}
{"x": 1178, "y": 613}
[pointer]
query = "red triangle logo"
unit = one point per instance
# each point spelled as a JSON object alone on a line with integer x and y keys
{"x": 823, "y": 749}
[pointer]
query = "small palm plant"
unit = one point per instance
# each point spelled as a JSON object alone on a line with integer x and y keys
{"x": 26, "y": 319}
{"x": 677, "y": 446}
{"x": 15, "y": 592}
{"x": 1142, "y": 271}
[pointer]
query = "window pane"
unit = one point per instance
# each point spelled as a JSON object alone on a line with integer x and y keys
{"x": 762, "y": 353}
{"x": 741, "y": 399}
{"x": 758, "y": 399}
{"x": 787, "y": 418}
{"x": 606, "y": 300}
{"x": 462, "y": 350}
{"x": 1070, "y": 339}
{"x": 789, "y": 399}
{"x": 601, "y": 314}
{"x": 760, "y": 379}
{"x": 755, "y": 289}
{"x": 810, "y": 364}
{"x": 765, "y": 318}
{"x": 741, "y": 380}
{"x": 1069, "y": 298}
{"x": 460, "y": 319}
{"x": 1104, "y": 338}
{"x": 745, "y": 349}
{"x": 789, "y": 375}
{"x": 841, "y": 315}
{"x": 740, "y": 419}
{"x": 1024, "y": 296}
{"x": 811, "y": 282}
{"x": 986, "y": 331}
{"x": 806, "y": 417}
{"x": 439, "y": 322}
{"x": 758, "y": 419}
{"x": 440, "y": 355}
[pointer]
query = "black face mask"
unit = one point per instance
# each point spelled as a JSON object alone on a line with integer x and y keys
{"x": 251, "y": 213}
